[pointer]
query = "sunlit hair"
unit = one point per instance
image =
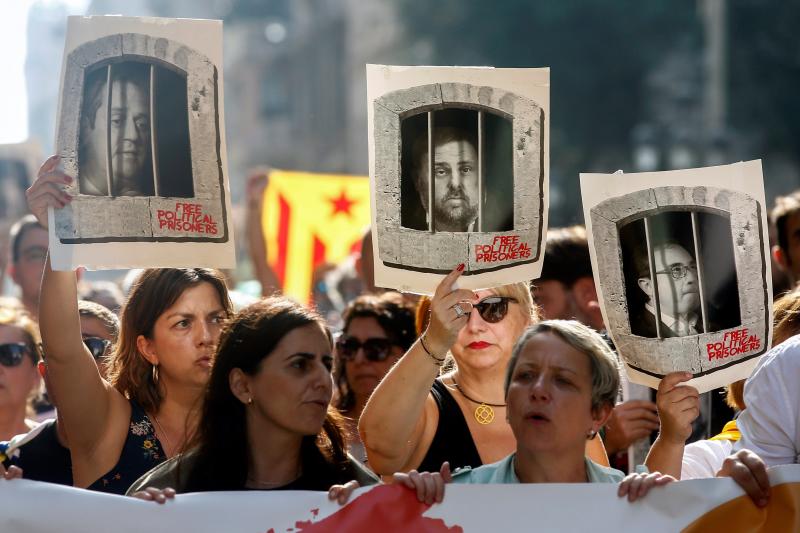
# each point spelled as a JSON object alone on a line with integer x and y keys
{"x": 394, "y": 316}
{"x": 221, "y": 440}
{"x": 109, "y": 320}
{"x": 153, "y": 292}
{"x": 603, "y": 362}
{"x": 785, "y": 325}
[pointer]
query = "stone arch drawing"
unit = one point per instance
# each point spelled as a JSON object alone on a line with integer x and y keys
{"x": 88, "y": 218}
{"x": 657, "y": 357}
{"x": 424, "y": 251}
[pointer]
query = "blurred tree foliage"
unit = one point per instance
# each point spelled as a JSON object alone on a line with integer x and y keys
{"x": 599, "y": 53}
{"x": 764, "y": 62}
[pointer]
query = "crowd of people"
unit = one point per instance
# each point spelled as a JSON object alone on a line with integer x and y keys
{"x": 172, "y": 389}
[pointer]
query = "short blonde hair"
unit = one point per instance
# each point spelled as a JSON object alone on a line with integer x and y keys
{"x": 603, "y": 362}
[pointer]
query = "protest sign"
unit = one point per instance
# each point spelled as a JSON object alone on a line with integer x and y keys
{"x": 459, "y": 167}
{"x": 681, "y": 262}
{"x": 312, "y": 219}
{"x": 696, "y": 505}
{"x": 141, "y": 128}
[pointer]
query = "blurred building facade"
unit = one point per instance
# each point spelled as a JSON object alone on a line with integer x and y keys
{"x": 295, "y": 87}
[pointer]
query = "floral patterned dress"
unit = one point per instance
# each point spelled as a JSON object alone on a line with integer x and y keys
{"x": 141, "y": 452}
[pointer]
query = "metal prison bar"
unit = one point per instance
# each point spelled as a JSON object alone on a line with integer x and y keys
{"x": 654, "y": 278}
{"x": 153, "y": 139}
{"x": 432, "y": 176}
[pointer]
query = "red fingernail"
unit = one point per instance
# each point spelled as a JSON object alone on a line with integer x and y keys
{"x": 460, "y": 267}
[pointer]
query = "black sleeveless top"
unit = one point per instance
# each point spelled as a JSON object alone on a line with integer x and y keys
{"x": 141, "y": 452}
{"x": 40, "y": 455}
{"x": 452, "y": 441}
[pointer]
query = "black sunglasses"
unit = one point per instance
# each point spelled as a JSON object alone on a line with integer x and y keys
{"x": 375, "y": 349}
{"x": 97, "y": 346}
{"x": 13, "y": 353}
{"x": 493, "y": 309}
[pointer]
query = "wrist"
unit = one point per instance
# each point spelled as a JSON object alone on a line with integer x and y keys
{"x": 437, "y": 359}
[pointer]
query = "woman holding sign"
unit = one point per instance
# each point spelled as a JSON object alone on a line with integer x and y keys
{"x": 417, "y": 419}
{"x": 120, "y": 428}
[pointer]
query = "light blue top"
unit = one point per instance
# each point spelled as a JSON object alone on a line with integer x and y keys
{"x": 502, "y": 472}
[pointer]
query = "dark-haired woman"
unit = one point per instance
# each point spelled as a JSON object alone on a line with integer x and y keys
{"x": 120, "y": 428}
{"x": 377, "y": 332}
{"x": 266, "y": 423}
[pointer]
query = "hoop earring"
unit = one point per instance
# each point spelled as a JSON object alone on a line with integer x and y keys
{"x": 155, "y": 375}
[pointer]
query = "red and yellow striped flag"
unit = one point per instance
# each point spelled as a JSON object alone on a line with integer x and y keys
{"x": 311, "y": 219}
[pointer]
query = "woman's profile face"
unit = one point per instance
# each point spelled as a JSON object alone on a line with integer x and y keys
{"x": 293, "y": 387}
{"x": 362, "y": 374}
{"x": 16, "y": 382}
{"x": 481, "y": 344}
{"x": 185, "y": 336}
{"x": 550, "y": 396}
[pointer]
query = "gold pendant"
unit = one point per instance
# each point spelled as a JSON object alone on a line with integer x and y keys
{"x": 484, "y": 414}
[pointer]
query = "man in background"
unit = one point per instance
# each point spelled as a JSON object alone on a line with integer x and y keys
{"x": 28, "y": 242}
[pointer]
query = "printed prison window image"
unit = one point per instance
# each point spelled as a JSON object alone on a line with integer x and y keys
{"x": 469, "y": 154}
{"x": 134, "y": 132}
{"x": 680, "y": 276}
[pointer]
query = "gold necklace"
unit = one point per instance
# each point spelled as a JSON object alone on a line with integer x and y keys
{"x": 163, "y": 434}
{"x": 484, "y": 413}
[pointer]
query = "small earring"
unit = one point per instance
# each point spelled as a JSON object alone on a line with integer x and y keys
{"x": 591, "y": 435}
{"x": 250, "y": 401}
{"x": 155, "y": 374}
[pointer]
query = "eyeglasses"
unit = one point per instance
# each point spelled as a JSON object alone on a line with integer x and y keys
{"x": 97, "y": 346}
{"x": 678, "y": 271}
{"x": 493, "y": 309}
{"x": 375, "y": 349}
{"x": 13, "y": 353}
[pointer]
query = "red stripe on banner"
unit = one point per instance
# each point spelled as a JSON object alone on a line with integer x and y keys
{"x": 319, "y": 253}
{"x": 284, "y": 218}
{"x": 355, "y": 248}
{"x": 317, "y": 259}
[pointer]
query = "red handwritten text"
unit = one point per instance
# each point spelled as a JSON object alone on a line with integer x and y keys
{"x": 503, "y": 248}
{"x": 187, "y": 218}
{"x": 735, "y": 343}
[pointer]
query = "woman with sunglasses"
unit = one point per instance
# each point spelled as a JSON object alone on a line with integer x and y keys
{"x": 418, "y": 419}
{"x": 43, "y": 453}
{"x": 267, "y": 422}
{"x": 147, "y": 409}
{"x": 19, "y": 379}
{"x": 377, "y": 332}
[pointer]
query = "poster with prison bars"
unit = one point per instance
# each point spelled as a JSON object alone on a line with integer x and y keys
{"x": 141, "y": 128}
{"x": 459, "y": 174}
{"x": 681, "y": 263}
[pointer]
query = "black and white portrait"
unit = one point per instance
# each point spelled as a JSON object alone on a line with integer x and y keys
{"x": 473, "y": 183}
{"x": 120, "y": 135}
{"x": 141, "y": 128}
{"x": 679, "y": 293}
{"x": 681, "y": 263}
{"x": 459, "y": 170}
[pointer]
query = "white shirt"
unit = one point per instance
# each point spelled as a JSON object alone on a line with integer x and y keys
{"x": 704, "y": 458}
{"x": 681, "y": 327}
{"x": 770, "y": 425}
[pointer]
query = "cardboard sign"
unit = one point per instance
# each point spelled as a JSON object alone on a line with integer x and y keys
{"x": 459, "y": 167}
{"x": 681, "y": 262}
{"x": 141, "y": 128}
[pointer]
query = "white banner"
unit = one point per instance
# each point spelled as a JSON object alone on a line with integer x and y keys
{"x": 697, "y": 505}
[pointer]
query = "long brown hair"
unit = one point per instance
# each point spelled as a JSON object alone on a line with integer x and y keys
{"x": 153, "y": 292}
{"x": 221, "y": 442}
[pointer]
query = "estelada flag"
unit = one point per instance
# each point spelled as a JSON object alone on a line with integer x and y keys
{"x": 310, "y": 219}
